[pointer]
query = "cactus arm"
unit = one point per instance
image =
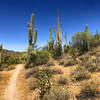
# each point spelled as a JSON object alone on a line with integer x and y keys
{"x": 58, "y": 22}
{"x": 32, "y": 24}
{"x": 66, "y": 38}
{"x": 56, "y": 34}
{"x": 35, "y": 37}
{"x": 50, "y": 35}
{"x": 61, "y": 33}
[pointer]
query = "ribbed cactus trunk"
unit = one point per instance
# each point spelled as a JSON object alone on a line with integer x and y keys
{"x": 58, "y": 35}
{"x": 66, "y": 39}
{"x": 31, "y": 41}
{"x": 30, "y": 33}
{"x": 50, "y": 43}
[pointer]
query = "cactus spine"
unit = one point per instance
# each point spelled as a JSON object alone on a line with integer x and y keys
{"x": 66, "y": 38}
{"x": 58, "y": 34}
{"x": 30, "y": 33}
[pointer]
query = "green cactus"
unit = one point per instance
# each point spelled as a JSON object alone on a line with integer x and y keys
{"x": 30, "y": 30}
{"x": 66, "y": 38}
{"x": 58, "y": 35}
{"x": 1, "y": 47}
{"x": 50, "y": 35}
{"x": 50, "y": 43}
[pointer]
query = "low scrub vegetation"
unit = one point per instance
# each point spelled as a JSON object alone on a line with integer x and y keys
{"x": 89, "y": 91}
{"x": 58, "y": 93}
{"x": 80, "y": 73}
{"x": 55, "y": 70}
{"x": 62, "y": 80}
{"x": 43, "y": 78}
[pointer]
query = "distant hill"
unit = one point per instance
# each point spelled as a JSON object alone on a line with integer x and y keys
{"x": 11, "y": 53}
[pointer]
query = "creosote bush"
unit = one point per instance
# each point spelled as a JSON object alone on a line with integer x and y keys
{"x": 89, "y": 91}
{"x": 58, "y": 93}
{"x": 62, "y": 80}
{"x": 79, "y": 74}
{"x": 56, "y": 70}
{"x": 31, "y": 72}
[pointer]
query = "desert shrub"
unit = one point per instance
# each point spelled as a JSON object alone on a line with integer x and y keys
{"x": 58, "y": 93}
{"x": 9, "y": 60}
{"x": 89, "y": 91}
{"x": 43, "y": 78}
{"x": 61, "y": 62}
{"x": 56, "y": 70}
{"x": 24, "y": 57}
{"x": 43, "y": 57}
{"x": 92, "y": 67}
{"x": 57, "y": 52}
{"x": 49, "y": 64}
{"x": 79, "y": 74}
{"x": 62, "y": 80}
{"x": 33, "y": 84}
{"x": 31, "y": 72}
{"x": 37, "y": 58}
{"x": 33, "y": 57}
{"x": 10, "y": 67}
{"x": 70, "y": 62}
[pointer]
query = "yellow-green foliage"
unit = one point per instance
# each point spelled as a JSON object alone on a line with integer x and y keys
{"x": 81, "y": 40}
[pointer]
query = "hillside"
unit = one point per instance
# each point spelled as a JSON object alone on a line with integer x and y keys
{"x": 80, "y": 78}
{"x": 11, "y": 53}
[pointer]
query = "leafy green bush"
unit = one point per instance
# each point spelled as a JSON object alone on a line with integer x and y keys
{"x": 58, "y": 93}
{"x": 89, "y": 91}
{"x": 43, "y": 78}
{"x": 79, "y": 74}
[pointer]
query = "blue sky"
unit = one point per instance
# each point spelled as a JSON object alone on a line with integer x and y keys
{"x": 74, "y": 15}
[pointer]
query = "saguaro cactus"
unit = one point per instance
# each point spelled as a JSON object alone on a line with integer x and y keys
{"x": 66, "y": 38}
{"x": 50, "y": 43}
{"x": 30, "y": 32}
{"x": 58, "y": 34}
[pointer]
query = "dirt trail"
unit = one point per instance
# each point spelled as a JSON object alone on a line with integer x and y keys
{"x": 11, "y": 91}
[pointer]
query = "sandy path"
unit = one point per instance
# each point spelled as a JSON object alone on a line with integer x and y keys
{"x": 11, "y": 91}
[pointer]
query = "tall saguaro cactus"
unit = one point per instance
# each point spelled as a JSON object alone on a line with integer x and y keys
{"x": 30, "y": 33}
{"x": 58, "y": 35}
